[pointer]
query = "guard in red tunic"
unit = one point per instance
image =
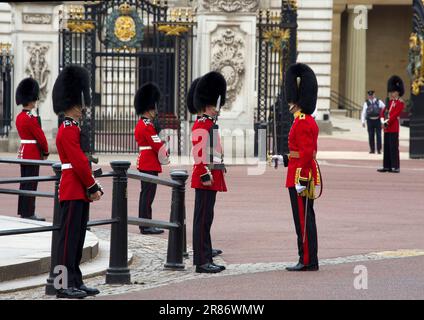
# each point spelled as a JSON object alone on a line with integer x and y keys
{"x": 390, "y": 121}
{"x": 208, "y": 169}
{"x": 33, "y": 143}
{"x": 152, "y": 150}
{"x": 303, "y": 173}
{"x": 71, "y": 93}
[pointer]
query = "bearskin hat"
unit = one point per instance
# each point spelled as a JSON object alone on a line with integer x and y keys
{"x": 190, "y": 97}
{"x": 395, "y": 83}
{"x": 210, "y": 87}
{"x": 71, "y": 84}
{"x": 28, "y": 91}
{"x": 146, "y": 98}
{"x": 305, "y": 93}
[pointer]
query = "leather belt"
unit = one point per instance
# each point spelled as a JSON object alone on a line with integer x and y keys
{"x": 66, "y": 166}
{"x": 296, "y": 154}
{"x": 28, "y": 141}
{"x": 145, "y": 148}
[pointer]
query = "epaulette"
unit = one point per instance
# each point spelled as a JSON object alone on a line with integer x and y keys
{"x": 147, "y": 122}
{"x": 29, "y": 114}
{"x": 69, "y": 123}
{"x": 302, "y": 116}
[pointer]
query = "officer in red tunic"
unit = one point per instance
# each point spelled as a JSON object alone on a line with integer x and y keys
{"x": 71, "y": 93}
{"x": 152, "y": 150}
{"x": 390, "y": 121}
{"x": 208, "y": 169}
{"x": 33, "y": 143}
{"x": 303, "y": 173}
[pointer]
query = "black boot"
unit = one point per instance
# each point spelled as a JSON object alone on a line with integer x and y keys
{"x": 151, "y": 230}
{"x": 89, "y": 291}
{"x": 71, "y": 293}
{"x": 208, "y": 268}
{"x": 302, "y": 267}
{"x": 219, "y": 266}
{"x": 35, "y": 217}
{"x": 383, "y": 170}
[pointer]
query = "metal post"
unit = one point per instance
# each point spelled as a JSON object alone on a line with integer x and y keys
{"x": 118, "y": 272}
{"x": 50, "y": 290}
{"x": 174, "y": 259}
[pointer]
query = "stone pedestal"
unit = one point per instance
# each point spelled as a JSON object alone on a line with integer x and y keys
{"x": 226, "y": 42}
{"x": 35, "y": 42}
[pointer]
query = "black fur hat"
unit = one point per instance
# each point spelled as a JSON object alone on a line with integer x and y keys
{"x": 68, "y": 88}
{"x": 28, "y": 91}
{"x": 190, "y": 97}
{"x": 306, "y": 93}
{"x": 395, "y": 83}
{"x": 210, "y": 87}
{"x": 146, "y": 98}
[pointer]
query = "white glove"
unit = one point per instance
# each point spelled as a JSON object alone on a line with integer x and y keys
{"x": 278, "y": 157}
{"x": 300, "y": 188}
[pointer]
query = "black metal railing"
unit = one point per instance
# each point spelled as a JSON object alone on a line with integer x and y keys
{"x": 118, "y": 271}
{"x": 6, "y": 64}
{"x": 353, "y": 109}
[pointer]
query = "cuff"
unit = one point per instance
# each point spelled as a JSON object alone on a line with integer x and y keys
{"x": 93, "y": 189}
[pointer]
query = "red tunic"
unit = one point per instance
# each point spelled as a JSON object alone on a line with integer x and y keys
{"x": 394, "y": 109}
{"x": 303, "y": 139}
{"x": 200, "y": 141}
{"x": 152, "y": 149}
{"x": 33, "y": 140}
{"x": 78, "y": 179}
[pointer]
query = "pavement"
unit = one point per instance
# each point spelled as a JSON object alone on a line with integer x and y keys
{"x": 361, "y": 216}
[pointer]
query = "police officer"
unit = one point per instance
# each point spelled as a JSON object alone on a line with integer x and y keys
{"x": 71, "y": 92}
{"x": 152, "y": 151}
{"x": 33, "y": 143}
{"x": 371, "y": 116}
{"x": 208, "y": 169}
{"x": 390, "y": 122}
{"x": 303, "y": 171}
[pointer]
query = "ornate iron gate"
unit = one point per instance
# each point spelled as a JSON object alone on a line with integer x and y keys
{"x": 277, "y": 49}
{"x": 6, "y": 63}
{"x": 126, "y": 44}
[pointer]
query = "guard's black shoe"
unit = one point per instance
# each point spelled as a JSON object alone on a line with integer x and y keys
{"x": 219, "y": 266}
{"x": 395, "y": 170}
{"x": 379, "y": 152}
{"x": 208, "y": 268}
{"x": 71, "y": 293}
{"x": 151, "y": 230}
{"x": 302, "y": 267}
{"x": 383, "y": 170}
{"x": 35, "y": 217}
{"x": 372, "y": 152}
{"x": 89, "y": 291}
{"x": 216, "y": 252}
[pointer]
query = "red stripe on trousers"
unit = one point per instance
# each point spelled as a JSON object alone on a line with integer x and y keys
{"x": 302, "y": 228}
{"x": 202, "y": 232}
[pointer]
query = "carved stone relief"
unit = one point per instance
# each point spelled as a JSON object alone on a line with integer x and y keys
{"x": 37, "y": 66}
{"x": 231, "y": 5}
{"x": 228, "y": 58}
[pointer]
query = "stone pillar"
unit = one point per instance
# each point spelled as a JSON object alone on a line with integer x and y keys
{"x": 335, "y": 49}
{"x": 356, "y": 59}
{"x": 226, "y": 42}
{"x": 35, "y": 41}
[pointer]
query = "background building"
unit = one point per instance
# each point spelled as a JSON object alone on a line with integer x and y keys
{"x": 222, "y": 35}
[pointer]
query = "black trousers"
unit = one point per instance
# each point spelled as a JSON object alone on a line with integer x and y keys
{"x": 26, "y": 205}
{"x": 308, "y": 249}
{"x": 391, "y": 151}
{"x": 147, "y": 196}
{"x": 374, "y": 132}
{"x": 73, "y": 227}
{"x": 203, "y": 217}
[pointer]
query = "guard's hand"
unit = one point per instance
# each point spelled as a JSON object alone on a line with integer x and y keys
{"x": 363, "y": 125}
{"x": 96, "y": 196}
{"x": 45, "y": 157}
{"x": 279, "y": 158}
{"x": 300, "y": 188}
